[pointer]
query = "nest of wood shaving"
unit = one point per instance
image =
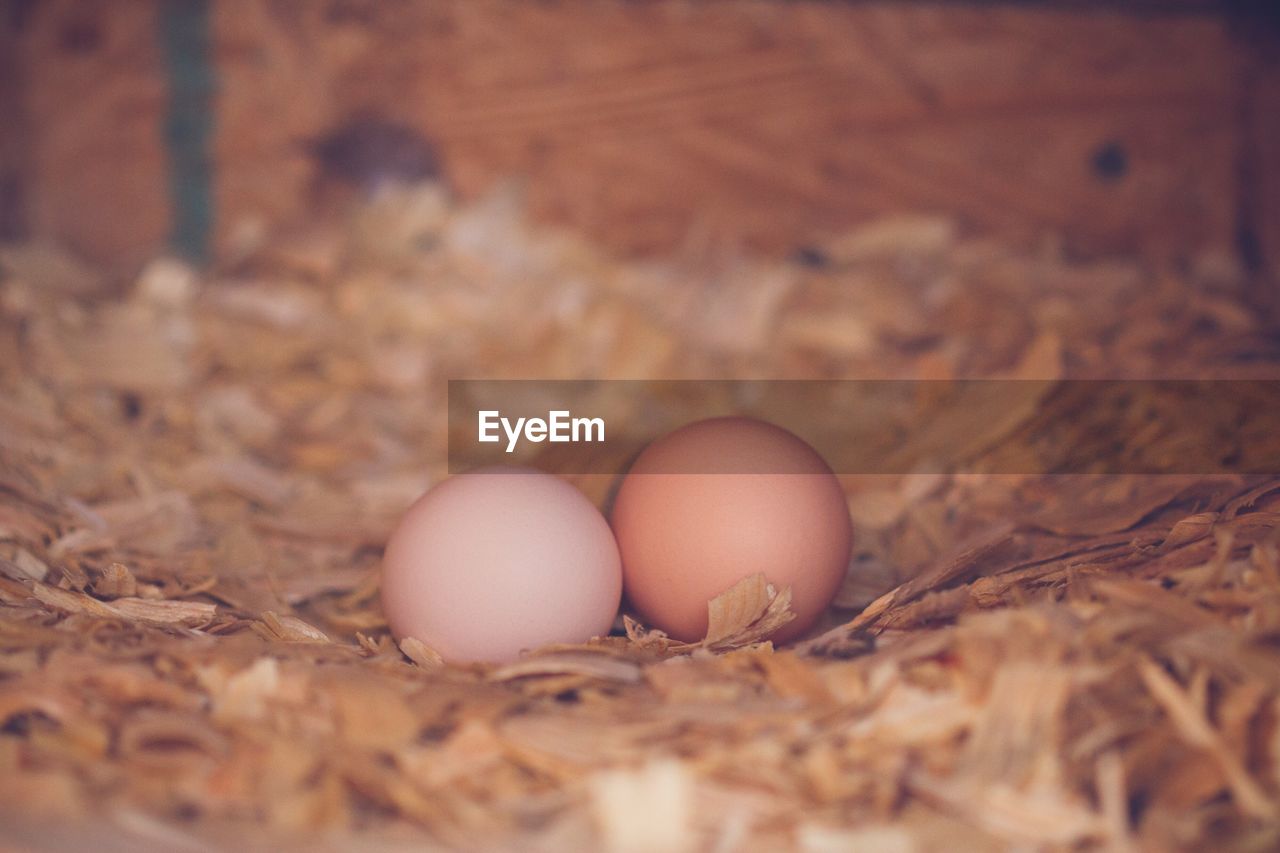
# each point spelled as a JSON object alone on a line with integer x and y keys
{"x": 197, "y": 472}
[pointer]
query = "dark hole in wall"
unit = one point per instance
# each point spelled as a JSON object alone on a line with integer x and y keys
{"x": 368, "y": 150}
{"x": 1110, "y": 161}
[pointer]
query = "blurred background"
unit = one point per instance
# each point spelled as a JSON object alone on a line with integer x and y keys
{"x": 1134, "y": 125}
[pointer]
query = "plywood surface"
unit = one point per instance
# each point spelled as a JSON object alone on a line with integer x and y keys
{"x": 1266, "y": 138}
{"x": 94, "y": 95}
{"x": 671, "y": 125}
{"x": 13, "y": 142}
{"x": 653, "y": 124}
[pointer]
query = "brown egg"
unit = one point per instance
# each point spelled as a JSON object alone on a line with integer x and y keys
{"x": 717, "y": 501}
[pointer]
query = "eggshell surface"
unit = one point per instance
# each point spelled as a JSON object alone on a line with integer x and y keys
{"x": 492, "y": 562}
{"x": 717, "y": 501}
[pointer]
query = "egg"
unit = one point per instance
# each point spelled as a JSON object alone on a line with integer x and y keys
{"x": 717, "y": 501}
{"x": 492, "y": 562}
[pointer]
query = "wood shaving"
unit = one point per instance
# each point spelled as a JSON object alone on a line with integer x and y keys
{"x": 198, "y": 472}
{"x": 116, "y": 582}
{"x": 421, "y": 654}
{"x": 570, "y": 663}
{"x": 190, "y": 613}
{"x": 746, "y": 613}
{"x": 289, "y": 629}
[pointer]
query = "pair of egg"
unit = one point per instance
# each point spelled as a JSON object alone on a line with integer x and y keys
{"x": 491, "y": 563}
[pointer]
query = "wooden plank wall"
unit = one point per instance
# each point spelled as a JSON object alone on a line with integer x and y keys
{"x": 94, "y": 98}
{"x": 656, "y": 126}
{"x": 13, "y": 139}
{"x": 1263, "y": 206}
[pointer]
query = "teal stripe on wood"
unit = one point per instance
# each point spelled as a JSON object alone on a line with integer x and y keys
{"x": 185, "y": 33}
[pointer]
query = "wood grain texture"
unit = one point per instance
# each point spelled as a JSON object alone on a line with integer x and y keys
{"x": 1266, "y": 194}
{"x": 667, "y": 125}
{"x": 14, "y": 135}
{"x": 94, "y": 96}
{"x": 658, "y": 125}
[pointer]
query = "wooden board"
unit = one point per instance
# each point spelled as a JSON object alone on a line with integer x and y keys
{"x": 13, "y": 143}
{"x": 653, "y": 125}
{"x": 1266, "y": 138}
{"x": 95, "y": 97}
{"x": 1258, "y": 159}
{"x": 659, "y": 126}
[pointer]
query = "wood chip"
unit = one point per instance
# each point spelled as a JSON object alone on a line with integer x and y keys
{"x": 29, "y": 565}
{"x": 1014, "y": 661}
{"x": 597, "y": 666}
{"x": 649, "y": 808}
{"x": 746, "y": 613}
{"x": 1190, "y": 722}
{"x": 116, "y": 582}
{"x": 290, "y": 629}
{"x": 189, "y": 613}
{"x": 421, "y": 654}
